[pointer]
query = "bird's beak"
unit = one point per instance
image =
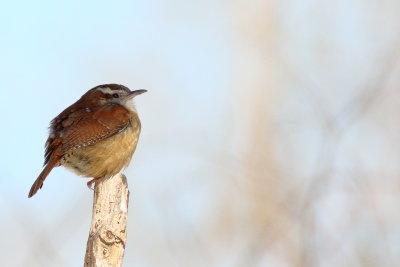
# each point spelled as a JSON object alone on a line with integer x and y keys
{"x": 135, "y": 93}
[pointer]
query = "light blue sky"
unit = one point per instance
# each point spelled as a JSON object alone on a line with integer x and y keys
{"x": 53, "y": 52}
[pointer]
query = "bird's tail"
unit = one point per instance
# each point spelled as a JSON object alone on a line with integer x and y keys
{"x": 42, "y": 176}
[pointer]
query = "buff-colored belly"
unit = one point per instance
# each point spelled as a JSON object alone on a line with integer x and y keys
{"x": 105, "y": 158}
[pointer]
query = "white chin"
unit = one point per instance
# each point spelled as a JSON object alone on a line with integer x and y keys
{"x": 130, "y": 104}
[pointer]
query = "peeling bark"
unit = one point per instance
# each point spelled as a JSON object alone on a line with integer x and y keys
{"x": 107, "y": 236}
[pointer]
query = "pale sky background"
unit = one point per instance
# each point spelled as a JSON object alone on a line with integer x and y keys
{"x": 315, "y": 83}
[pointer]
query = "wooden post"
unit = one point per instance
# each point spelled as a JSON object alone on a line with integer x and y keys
{"x": 107, "y": 236}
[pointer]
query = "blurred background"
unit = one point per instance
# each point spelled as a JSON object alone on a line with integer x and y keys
{"x": 270, "y": 130}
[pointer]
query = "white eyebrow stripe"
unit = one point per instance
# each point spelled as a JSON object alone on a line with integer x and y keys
{"x": 105, "y": 90}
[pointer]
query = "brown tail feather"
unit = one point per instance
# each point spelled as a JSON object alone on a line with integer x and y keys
{"x": 42, "y": 176}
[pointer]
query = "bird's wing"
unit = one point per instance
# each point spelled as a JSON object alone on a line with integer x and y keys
{"x": 81, "y": 128}
{"x": 94, "y": 126}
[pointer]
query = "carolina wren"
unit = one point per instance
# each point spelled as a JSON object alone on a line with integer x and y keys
{"x": 94, "y": 137}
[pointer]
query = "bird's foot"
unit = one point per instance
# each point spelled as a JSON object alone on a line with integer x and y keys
{"x": 89, "y": 184}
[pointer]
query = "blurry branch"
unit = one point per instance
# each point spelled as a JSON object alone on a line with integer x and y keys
{"x": 107, "y": 237}
{"x": 360, "y": 104}
{"x": 335, "y": 127}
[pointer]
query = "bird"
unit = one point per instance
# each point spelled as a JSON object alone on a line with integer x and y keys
{"x": 94, "y": 137}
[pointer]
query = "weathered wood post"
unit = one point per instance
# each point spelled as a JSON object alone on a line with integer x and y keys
{"x": 107, "y": 236}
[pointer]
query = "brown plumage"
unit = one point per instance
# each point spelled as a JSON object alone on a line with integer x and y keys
{"x": 95, "y": 137}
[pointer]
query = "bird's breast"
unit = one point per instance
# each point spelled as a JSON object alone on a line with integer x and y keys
{"x": 107, "y": 157}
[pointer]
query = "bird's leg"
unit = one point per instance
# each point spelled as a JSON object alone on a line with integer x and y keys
{"x": 89, "y": 184}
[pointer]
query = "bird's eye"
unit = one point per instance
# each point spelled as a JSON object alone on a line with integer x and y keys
{"x": 115, "y": 95}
